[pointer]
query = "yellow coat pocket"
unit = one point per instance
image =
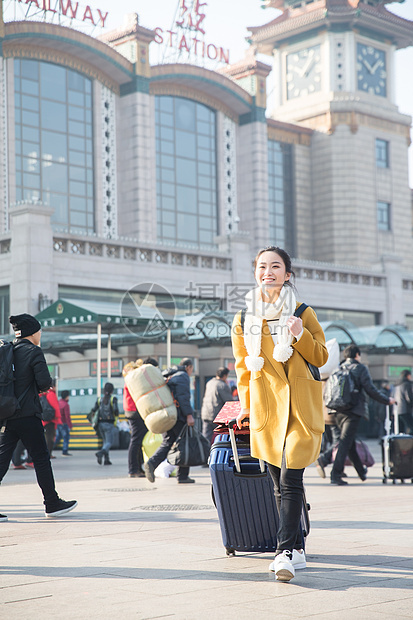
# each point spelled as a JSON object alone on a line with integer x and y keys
{"x": 259, "y": 403}
{"x": 310, "y": 403}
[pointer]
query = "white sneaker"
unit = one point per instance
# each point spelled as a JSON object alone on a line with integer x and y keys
{"x": 298, "y": 560}
{"x": 283, "y": 566}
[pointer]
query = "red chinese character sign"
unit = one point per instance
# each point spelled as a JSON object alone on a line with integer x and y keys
{"x": 186, "y": 41}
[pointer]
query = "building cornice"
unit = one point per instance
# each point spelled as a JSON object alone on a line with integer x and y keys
{"x": 329, "y": 15}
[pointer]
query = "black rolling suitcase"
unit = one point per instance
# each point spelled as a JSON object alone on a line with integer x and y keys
{"x": 244, "y": 497}
{"x": 397, "y": 453}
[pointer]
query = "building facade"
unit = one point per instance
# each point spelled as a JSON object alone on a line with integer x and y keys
{"x": 115, "y": 175}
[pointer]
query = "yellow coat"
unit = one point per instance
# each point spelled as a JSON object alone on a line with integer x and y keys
{"x": 285, "y": 402}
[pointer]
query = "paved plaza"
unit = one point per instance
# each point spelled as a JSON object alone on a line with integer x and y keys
{"x": 137, "y": 550}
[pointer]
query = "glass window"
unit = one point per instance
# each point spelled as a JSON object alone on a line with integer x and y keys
{"x": 382, "y": 153}
{"x": 280, "y": 195}
{"x": 54, "y": 146}
{"x": 186, "y": 184}
{"x": 54, "y": 116}
{"x": 186, "y": 172}
{"x": 53, "y": 82}
{"x": 185, "y": 114}
{"x": 48, "y": 141}
{"x": 29, "y": 69}
{"x": 383, "y": 215}
{"x": 4, "y": 309}
{"x": 30, "y": 118}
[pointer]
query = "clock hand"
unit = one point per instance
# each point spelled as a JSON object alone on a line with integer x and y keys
{"x": 304, "y": 71}
{"x": 368, "y": 66}
{"x": 373, "y": 69}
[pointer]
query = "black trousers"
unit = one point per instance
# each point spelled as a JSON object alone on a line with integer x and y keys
{"x": 289, "y": 494}
{"x": 162, "y": 452}
{"x": 138, "y": 430}
{"x": 30, "y": 431}
{"x": 406, "y": 423}
{"x": 348, "y": 424}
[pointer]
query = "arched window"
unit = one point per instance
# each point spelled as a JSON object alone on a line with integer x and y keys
{"x": 54, "y": 141}
{"x": 186, "y": 172}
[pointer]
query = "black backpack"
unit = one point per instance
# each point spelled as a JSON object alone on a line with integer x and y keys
{"x": 341, "y": 393}
{"x": 48, "y": 412}
{"x": 9, "y": 404}
{"x": 106, "y": 410}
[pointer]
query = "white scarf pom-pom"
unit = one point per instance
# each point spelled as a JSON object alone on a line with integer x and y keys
{"x": 254, "y": 363}
{"x": 282, "y": 352}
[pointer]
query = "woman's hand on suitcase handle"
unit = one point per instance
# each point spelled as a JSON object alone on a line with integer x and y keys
{"x": 392, "y": 401}
{"x": 190, "y": 420}
{"x": 245, "y": 413}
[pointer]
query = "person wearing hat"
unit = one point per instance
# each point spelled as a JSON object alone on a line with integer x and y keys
{"x": 31, "y": 378}
{"x": 181, "y": 390}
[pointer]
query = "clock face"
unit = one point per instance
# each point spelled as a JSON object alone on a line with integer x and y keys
{"x": 371, "y": 70}
{"x": 303, "y": 72}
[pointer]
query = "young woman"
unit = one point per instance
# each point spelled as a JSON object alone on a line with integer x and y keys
{"x": 278, "y": 393}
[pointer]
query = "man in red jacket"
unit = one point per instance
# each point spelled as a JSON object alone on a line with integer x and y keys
{"x": 50, "y": 427}
{"x": 63, "y": 429}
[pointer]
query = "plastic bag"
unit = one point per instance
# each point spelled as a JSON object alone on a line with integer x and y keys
{"x": 190, "y": 448}
{"x": 150, "y": 444}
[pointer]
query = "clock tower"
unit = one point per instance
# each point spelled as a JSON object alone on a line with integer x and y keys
{"x": 333, "y": 71}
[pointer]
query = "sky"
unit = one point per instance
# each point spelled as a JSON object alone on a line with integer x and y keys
{"x": 226, "y": 25}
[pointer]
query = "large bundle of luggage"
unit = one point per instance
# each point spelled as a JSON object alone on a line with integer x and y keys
{"x": 152, "y": 397}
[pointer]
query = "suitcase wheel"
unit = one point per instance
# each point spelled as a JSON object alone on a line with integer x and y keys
{"x": 384, "y": 480}
{"x": 229, "y": 551}
{"x": 394, "y": 481}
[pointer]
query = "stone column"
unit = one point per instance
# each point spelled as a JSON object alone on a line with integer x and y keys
{"x": 394, "y": 290}
{"x": 31, "y": 257}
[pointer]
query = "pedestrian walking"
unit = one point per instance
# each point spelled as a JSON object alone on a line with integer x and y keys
{"x": 108, "y": 414}
{"x": 277, "y": 391}
{"x": 63, "y": 429}
{"x": 31, "y": 377}
{"x": 404, "y": 398}
{"x": 348, "y": 421}
{"x": 137, "y": 426}
{"x": 51, "y": 426}
{"x": 180, "y": 386}
{"x": 217, "y": 393}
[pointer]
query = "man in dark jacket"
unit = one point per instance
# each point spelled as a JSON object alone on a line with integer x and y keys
{"x": 31, "y": 377}
{"x": 217, "y": 393}
{"x": 348, "y": 421}
{"x": 404, "y": 397}
{"x": 180, "y": 387}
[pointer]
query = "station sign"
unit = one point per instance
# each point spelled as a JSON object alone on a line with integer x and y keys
{"x": 189, "y": 31}
{"x": 69, "y": 9}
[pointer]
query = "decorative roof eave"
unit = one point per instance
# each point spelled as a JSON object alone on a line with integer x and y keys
{"x": 287, "y": 132}
{"x": 378, "y": 19}
{"x": 203, "y": 85}
{"x": 247, "y": 66}
{"x": 132, "y": 30}
{"x": 69, "y": 47}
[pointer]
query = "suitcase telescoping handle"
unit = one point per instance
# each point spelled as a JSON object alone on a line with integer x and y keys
{"x": 387, "y": 421}
{"x": 231, "y": 426}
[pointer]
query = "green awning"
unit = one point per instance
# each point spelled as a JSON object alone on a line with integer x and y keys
{"x": 76, "y": 316}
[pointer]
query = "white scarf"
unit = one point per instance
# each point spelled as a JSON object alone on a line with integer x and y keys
{"x": 257, "y": 310}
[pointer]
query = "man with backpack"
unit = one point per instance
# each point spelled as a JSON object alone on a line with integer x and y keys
{"x": 31, "y": 376}
{"x": 180, "y": 387}
{"x": 107, "y": 413}
{"x": 346, "y": 395}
